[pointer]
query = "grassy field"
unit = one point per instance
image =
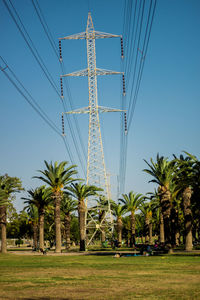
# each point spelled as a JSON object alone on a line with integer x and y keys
{"x": 99, "y": 277}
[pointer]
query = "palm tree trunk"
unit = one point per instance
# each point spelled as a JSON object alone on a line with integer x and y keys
{"x": 173, "y": 227}
{"x": 57, "y": 197}
{"x": 119, "y": 231}
{"x": 101, "y": 220}
{"x": 3, "y": 229}
{"x": 162, "y": 233}
{"x": 146, "y": 229}
{"x": 81, "y": 212}
{"x": 177, "y": 238}
{"x": 166, "y": 211}
{"x": 41, "y": 230}
{"x": 35, "y": 231}
{"x": 132, "y": 241}
{"x": 177, "y": 234}
{"x": 187, "y": 194}
{"x": 67, "y": 230}
{"x": 194, "y": 231}
{"x": 150, "y": 233}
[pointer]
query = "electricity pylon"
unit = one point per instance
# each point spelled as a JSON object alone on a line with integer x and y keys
{"x": 96, "y": 169}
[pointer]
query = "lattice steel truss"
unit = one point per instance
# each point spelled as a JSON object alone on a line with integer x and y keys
{"x": 96, "y": 170}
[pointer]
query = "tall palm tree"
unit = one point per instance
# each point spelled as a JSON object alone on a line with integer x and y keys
{"x": 32, "y": 215}
{"x": 68, "y": 205}
{"x": 132, "y": 203}
{"x": 163, "y": 172}
{"x": 186, "y": 180}
{"x": 8, "y": 186}
{"x": 40, "y": 197}
{"x": 80, "y": 192}
{"x": 146, "y": 210}
{"x": 195, "y": 201}
{"x": 102, "y": 206}
{"x": 127, "y": 229}
{"x": 118, "y": 211}
{"x": 155, "y": 197}
{"x": 57, "y": 176}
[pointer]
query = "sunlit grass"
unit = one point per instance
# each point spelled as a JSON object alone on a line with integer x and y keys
{"x": 99, "y": 277}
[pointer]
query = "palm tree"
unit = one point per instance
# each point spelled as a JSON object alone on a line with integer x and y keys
{"x": 186, "y": 180}
{"x": 146, "y": 210}
{"x": 57, "y": 176}
{"x": 126, "y": 230}
{"x": 155, "y": 197}
{"x": 163, "y": 172}
{"x": 195, "y": 201}
{"x": 68, "y": 205}
{"x": 102, "y": 206}
{"x": 132, "y": 203}
{"x": 41, "y": 198}
{"x": 8, "y": 186}
{"x": 118, "y": 211}
{"x": 80, "y": 192}
{"x": 32, "y": 215}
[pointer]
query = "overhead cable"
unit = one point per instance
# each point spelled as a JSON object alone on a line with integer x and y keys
{"x": 36, "y": 55}
{"x": 52, "y": 42}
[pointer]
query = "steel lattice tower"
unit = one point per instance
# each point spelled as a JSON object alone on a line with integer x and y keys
{"x": 96, "y": 170}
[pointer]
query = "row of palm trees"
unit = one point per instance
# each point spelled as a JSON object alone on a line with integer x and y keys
{"x": 177, "y": 181}
{"x": 61, "y": 185}
{"x": 175, "y": 200}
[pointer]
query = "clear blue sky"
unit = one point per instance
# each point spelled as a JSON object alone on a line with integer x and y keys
{"x": 166, "y": 118}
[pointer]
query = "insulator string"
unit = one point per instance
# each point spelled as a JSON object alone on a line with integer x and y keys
{"x": 125, "y": 124}
{"x": 122, "y": 48}
{"x": 61, "y": 87}
{"x": 60, "y": 51}
{"x": 63, "y": 126}
{"x": 124, "y": 88}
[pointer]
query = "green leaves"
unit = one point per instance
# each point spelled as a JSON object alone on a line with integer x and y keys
{"x": 81, "y": 191}
{"x": 132, "y": 201}
{"x": 40, "y": 197}
{"x": 188, "y": 171}
{"x": 57, "y": 175}
{"x": 8, "y": 186}
{"x": 68, "y": 204}
{"x": 162, "y": 170}
{"x": 118, "y": 209}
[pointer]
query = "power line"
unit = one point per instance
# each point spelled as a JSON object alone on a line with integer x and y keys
{"x": 39, "y": 60}
{"x": 33, "y": 100}
{"x": 51, "y": 40}
{"x": 142, "y": 60}
{"x": 34, "y": 105}
{"x": 31, "y": 45}
{"x": 45, "y": 26}
{"x": 131, "y": 56}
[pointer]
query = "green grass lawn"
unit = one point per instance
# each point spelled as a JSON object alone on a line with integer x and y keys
{"x": 99, "y": 277}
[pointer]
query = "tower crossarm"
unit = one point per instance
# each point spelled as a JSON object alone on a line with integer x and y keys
{"x": 93, "y": 35}
{"x": 83, "y": 110}
{"x": 77, "y": 73}
{"x": 104, "y": 35}
{"x": 106, "y": 72}
{"x": 77, "y": 36}
{"x": 103, "y": 109}
{"x": 86, "y": 110}
{"x": 96, "y": 71}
